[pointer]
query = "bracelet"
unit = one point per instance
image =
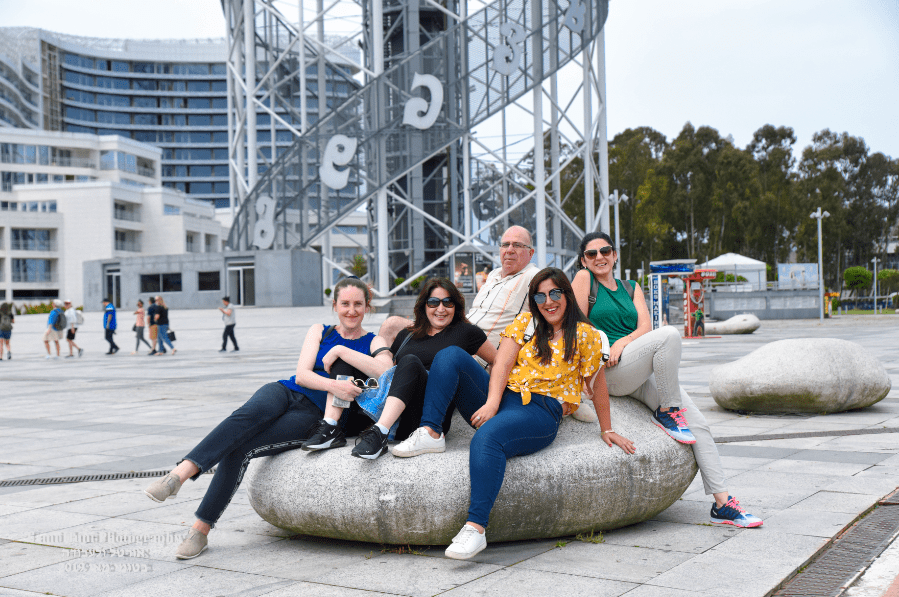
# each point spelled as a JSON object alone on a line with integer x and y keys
{"x": 607, "y": 431}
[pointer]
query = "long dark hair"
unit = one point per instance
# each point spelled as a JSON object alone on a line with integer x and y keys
{"x": 592, "y": 236}
{"x": 543, "y": 331}
{"x": 421, "y": 324}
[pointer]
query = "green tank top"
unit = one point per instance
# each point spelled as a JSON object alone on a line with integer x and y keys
{"x": 613, "y": 312}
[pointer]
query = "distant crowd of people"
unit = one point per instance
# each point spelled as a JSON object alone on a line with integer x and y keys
{"x": 64, "y": 321}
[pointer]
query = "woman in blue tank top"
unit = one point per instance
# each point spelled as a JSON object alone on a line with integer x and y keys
{"x": 282, "y": 415}
{"x": 644, "y": 364}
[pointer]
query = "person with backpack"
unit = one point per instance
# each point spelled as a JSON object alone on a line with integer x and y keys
{"x": 643, "y": 364}
{"x": 56, "y": 323}
{"x": 109, "y": 324}
{"x": 7, "y": 319}
{"x": 74, "y": 320}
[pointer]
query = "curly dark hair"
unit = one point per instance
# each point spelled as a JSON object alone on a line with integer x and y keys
{"x": 543, "y": 331}
{"x": 421, "y": 323}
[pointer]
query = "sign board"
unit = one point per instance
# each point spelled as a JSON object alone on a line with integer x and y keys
{"x": 464, "y": 272}
{"x": 655, "y": 300}
{"x": 797, "y": 276}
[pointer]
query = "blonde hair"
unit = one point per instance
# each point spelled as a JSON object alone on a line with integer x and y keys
{"x": 161, "y": 302}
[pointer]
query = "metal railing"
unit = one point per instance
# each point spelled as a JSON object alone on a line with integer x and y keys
{"x": 128, "y": 215}
{"x": 127, "y": 245}
{"x": 33, "y": 245}
{"x": 33, "y": 277}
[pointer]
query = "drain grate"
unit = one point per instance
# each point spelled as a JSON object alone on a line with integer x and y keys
{"x": 86, "y": 478}
{"x": 847, "y": 557}
{"x": 840, "y": 433}
{"x": 891, "y": 500}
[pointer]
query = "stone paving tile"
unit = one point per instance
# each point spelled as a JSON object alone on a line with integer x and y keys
{"x": 668, "y": 536}
{"x": 88, "y": 577}
{"x": 774, "y": 489}
{"x": 874, "y": 485}
{"x": 114, "y": 504}
{"x": 31, "y": 523}
{"x": 308, "y": 589}
{"x": 407, "y": 574}
{"x": 809, "y": 467}
{"x": 201, "y": 582}
{"x": 162, "y": 543}
{"x": 180, "y": 512}
{"x": 608, "y": 561}
{"x": 830, "y": 501}
{"x": 49, "y": 495}
{"x": 534, "y": 583}
{"x": 815, "y": 523}
{"x": 20, "y": 557}
{"x": 509, "y": 553}
{"x": 761, "y": 452}
{"x": 110, "y": 533}
{"x": 14, "y": 471}
{"x": 654, "y": 591}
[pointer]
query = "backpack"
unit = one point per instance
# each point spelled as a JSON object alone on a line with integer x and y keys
{"x": 60, "y": 323}
{"x": 5, "y": 322}
{"x": 592, "y": 298}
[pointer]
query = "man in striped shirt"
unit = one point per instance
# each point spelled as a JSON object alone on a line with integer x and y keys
{"x": 503, "y": 296}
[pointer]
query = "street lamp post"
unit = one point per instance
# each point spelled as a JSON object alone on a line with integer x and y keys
{"x": 820, "y": 215}
{"x": 874, "y": 261}
{"x": 615, "y": 199}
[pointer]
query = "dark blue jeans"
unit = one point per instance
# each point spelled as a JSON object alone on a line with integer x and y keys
{"x": 516, "y": 429}
{"x": 274, "y": 420}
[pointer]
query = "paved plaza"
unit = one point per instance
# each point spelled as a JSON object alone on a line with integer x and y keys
{"x": 114, "y": 414}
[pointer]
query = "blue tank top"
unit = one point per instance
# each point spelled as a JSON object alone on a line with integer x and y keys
{"x": 319, "y": 397}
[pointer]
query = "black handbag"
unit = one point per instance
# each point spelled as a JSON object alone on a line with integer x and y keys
{"x": 171, "y": 335}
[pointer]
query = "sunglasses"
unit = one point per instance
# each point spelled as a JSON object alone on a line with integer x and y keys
{"x": 555, "y": 294}
{"x": 366, "y": 384}
{"x": 434, "y": 302}
{"x": 591, "y": 254}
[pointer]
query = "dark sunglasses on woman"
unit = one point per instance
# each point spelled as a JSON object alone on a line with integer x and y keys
{"x": 606, "y": 251}
{"x": 434, "y": 302}
{"x": 555, "y": 294}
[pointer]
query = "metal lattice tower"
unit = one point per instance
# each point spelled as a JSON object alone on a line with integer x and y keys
{"x": 402, "y": 142}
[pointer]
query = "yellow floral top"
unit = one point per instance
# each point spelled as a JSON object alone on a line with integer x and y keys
{"x": 560, "y": 379}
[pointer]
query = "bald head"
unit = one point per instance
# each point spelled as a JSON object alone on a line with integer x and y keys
{"x": 515, "y": 259}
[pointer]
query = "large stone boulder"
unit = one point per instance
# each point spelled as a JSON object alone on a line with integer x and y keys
{"x": 745, "y": 323}
{"x": 813, "y": 375}
{"x": 577, "y": 484}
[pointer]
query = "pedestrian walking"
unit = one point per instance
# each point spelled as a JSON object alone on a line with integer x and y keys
{"x": 153, "y": 332}
{"x": 74, "y": 319}
{"x": 56, "y": 323}
{"x": 109, "y": 324}
{"x": 228, "y": 316}
{"x": 162, "y": 322}
{"x": 7, "y": 319}
{"x": 139, "y": 327}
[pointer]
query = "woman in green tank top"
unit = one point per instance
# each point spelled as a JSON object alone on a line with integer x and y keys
{"x": 644, "y": 364}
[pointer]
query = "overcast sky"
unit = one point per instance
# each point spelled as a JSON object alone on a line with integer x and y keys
{"x": 735, "y": 65}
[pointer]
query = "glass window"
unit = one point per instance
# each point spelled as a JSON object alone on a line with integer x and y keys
{"x": 221, "y": 187}
{"x": 120, "y": 67}
{"x": 219, "y": 103}
{"x": 200, "y": 154}
{"x": 218, "y": 69}
{"x": 81, "y": 114}
{"x": 113, "y": 118}
{"x": 79, "y": 79}
{"x": 102, "y": 64}
{"x": 200, "y": 120}
{"x": 144, "y": 67}
{"x": 200, "y": 86}
{"x": 219, "y": 120}
{"x": 144, "y": 102}
{"x": 220, "y": 170}
{"x": 81, "y": 129}
{"x": 198, "y": 103}
{"x": 197, "y": 69}
{"x": 171, "y": 210}
{"x": 182, "y": 137}
{"x": 43, "y": 155}
{"x": 171, "y": 282}
{"x": 220, "y": 137}
{"x": 200, "y": 138}
{"x": 263, "y": 119}
{"x": 145, "y": 136}
{"x": 201, "y": 170}
{"x": 220, "y": 86}
{"x": 200, "y": 188}
{"x": 146, "y": 119}
{"x": 209, "y": 281}
{"x": 112, "y": 100}
{"x": 145, "y": 85}
{"x": 72, "y": 59}
{"x": 150, "y": 283}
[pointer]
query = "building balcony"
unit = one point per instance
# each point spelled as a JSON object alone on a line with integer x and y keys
{"x": 129, "y": 246}
{"x": 31, "y": 245}
{"x": 34, "y": 277}
{"x": 127, "y": 216}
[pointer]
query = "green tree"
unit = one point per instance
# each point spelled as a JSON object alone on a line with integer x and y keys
{"x": 857, "y": 278}
{"x": 888, "y": 281}
{"x": 774, "y": 217}
{"x": 359, "y": 266}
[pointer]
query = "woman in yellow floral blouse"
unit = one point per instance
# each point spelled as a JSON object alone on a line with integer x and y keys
{"x": 536, "y": 379}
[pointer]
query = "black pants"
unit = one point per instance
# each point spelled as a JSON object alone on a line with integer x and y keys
{"x": 409, "y": 382}
{"x": 229, "y": 333}
{"x": 112, "y": 344}
{"x": 274, "y": 420}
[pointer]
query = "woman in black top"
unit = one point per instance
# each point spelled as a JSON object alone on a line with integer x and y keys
{"x": 439, "y": 322}
{"x": 162, "y": 321}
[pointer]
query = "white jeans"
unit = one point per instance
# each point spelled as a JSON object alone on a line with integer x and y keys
{"x": 648, "y": 371}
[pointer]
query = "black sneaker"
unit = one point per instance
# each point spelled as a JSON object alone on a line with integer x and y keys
{"x": 324, "y": 437}
{"x": 370, "y": 444}
{"x": 223, "y": 350}
{"x": 151, "y": 353}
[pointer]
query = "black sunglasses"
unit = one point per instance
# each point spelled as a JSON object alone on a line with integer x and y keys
{"x": 591, "y": 254}
{"x": 371, "y": 383}
{"x": 434, "y": 302}
{"x": 555, "y": 294}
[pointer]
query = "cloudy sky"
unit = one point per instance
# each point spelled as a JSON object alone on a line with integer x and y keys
{"x": 735, "y": 65}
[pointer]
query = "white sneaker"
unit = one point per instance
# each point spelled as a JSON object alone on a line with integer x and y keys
{"x": 468, "y": 543}
{"x": 420, "y": 442}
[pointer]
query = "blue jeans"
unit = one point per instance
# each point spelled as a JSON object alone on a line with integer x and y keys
{"x": 164, "y": 337}
{"x": 516, "y": 429}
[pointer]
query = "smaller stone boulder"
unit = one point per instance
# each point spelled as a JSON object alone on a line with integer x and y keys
{"x": 813, "y": 375}
{"x": 745, "y": 323}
